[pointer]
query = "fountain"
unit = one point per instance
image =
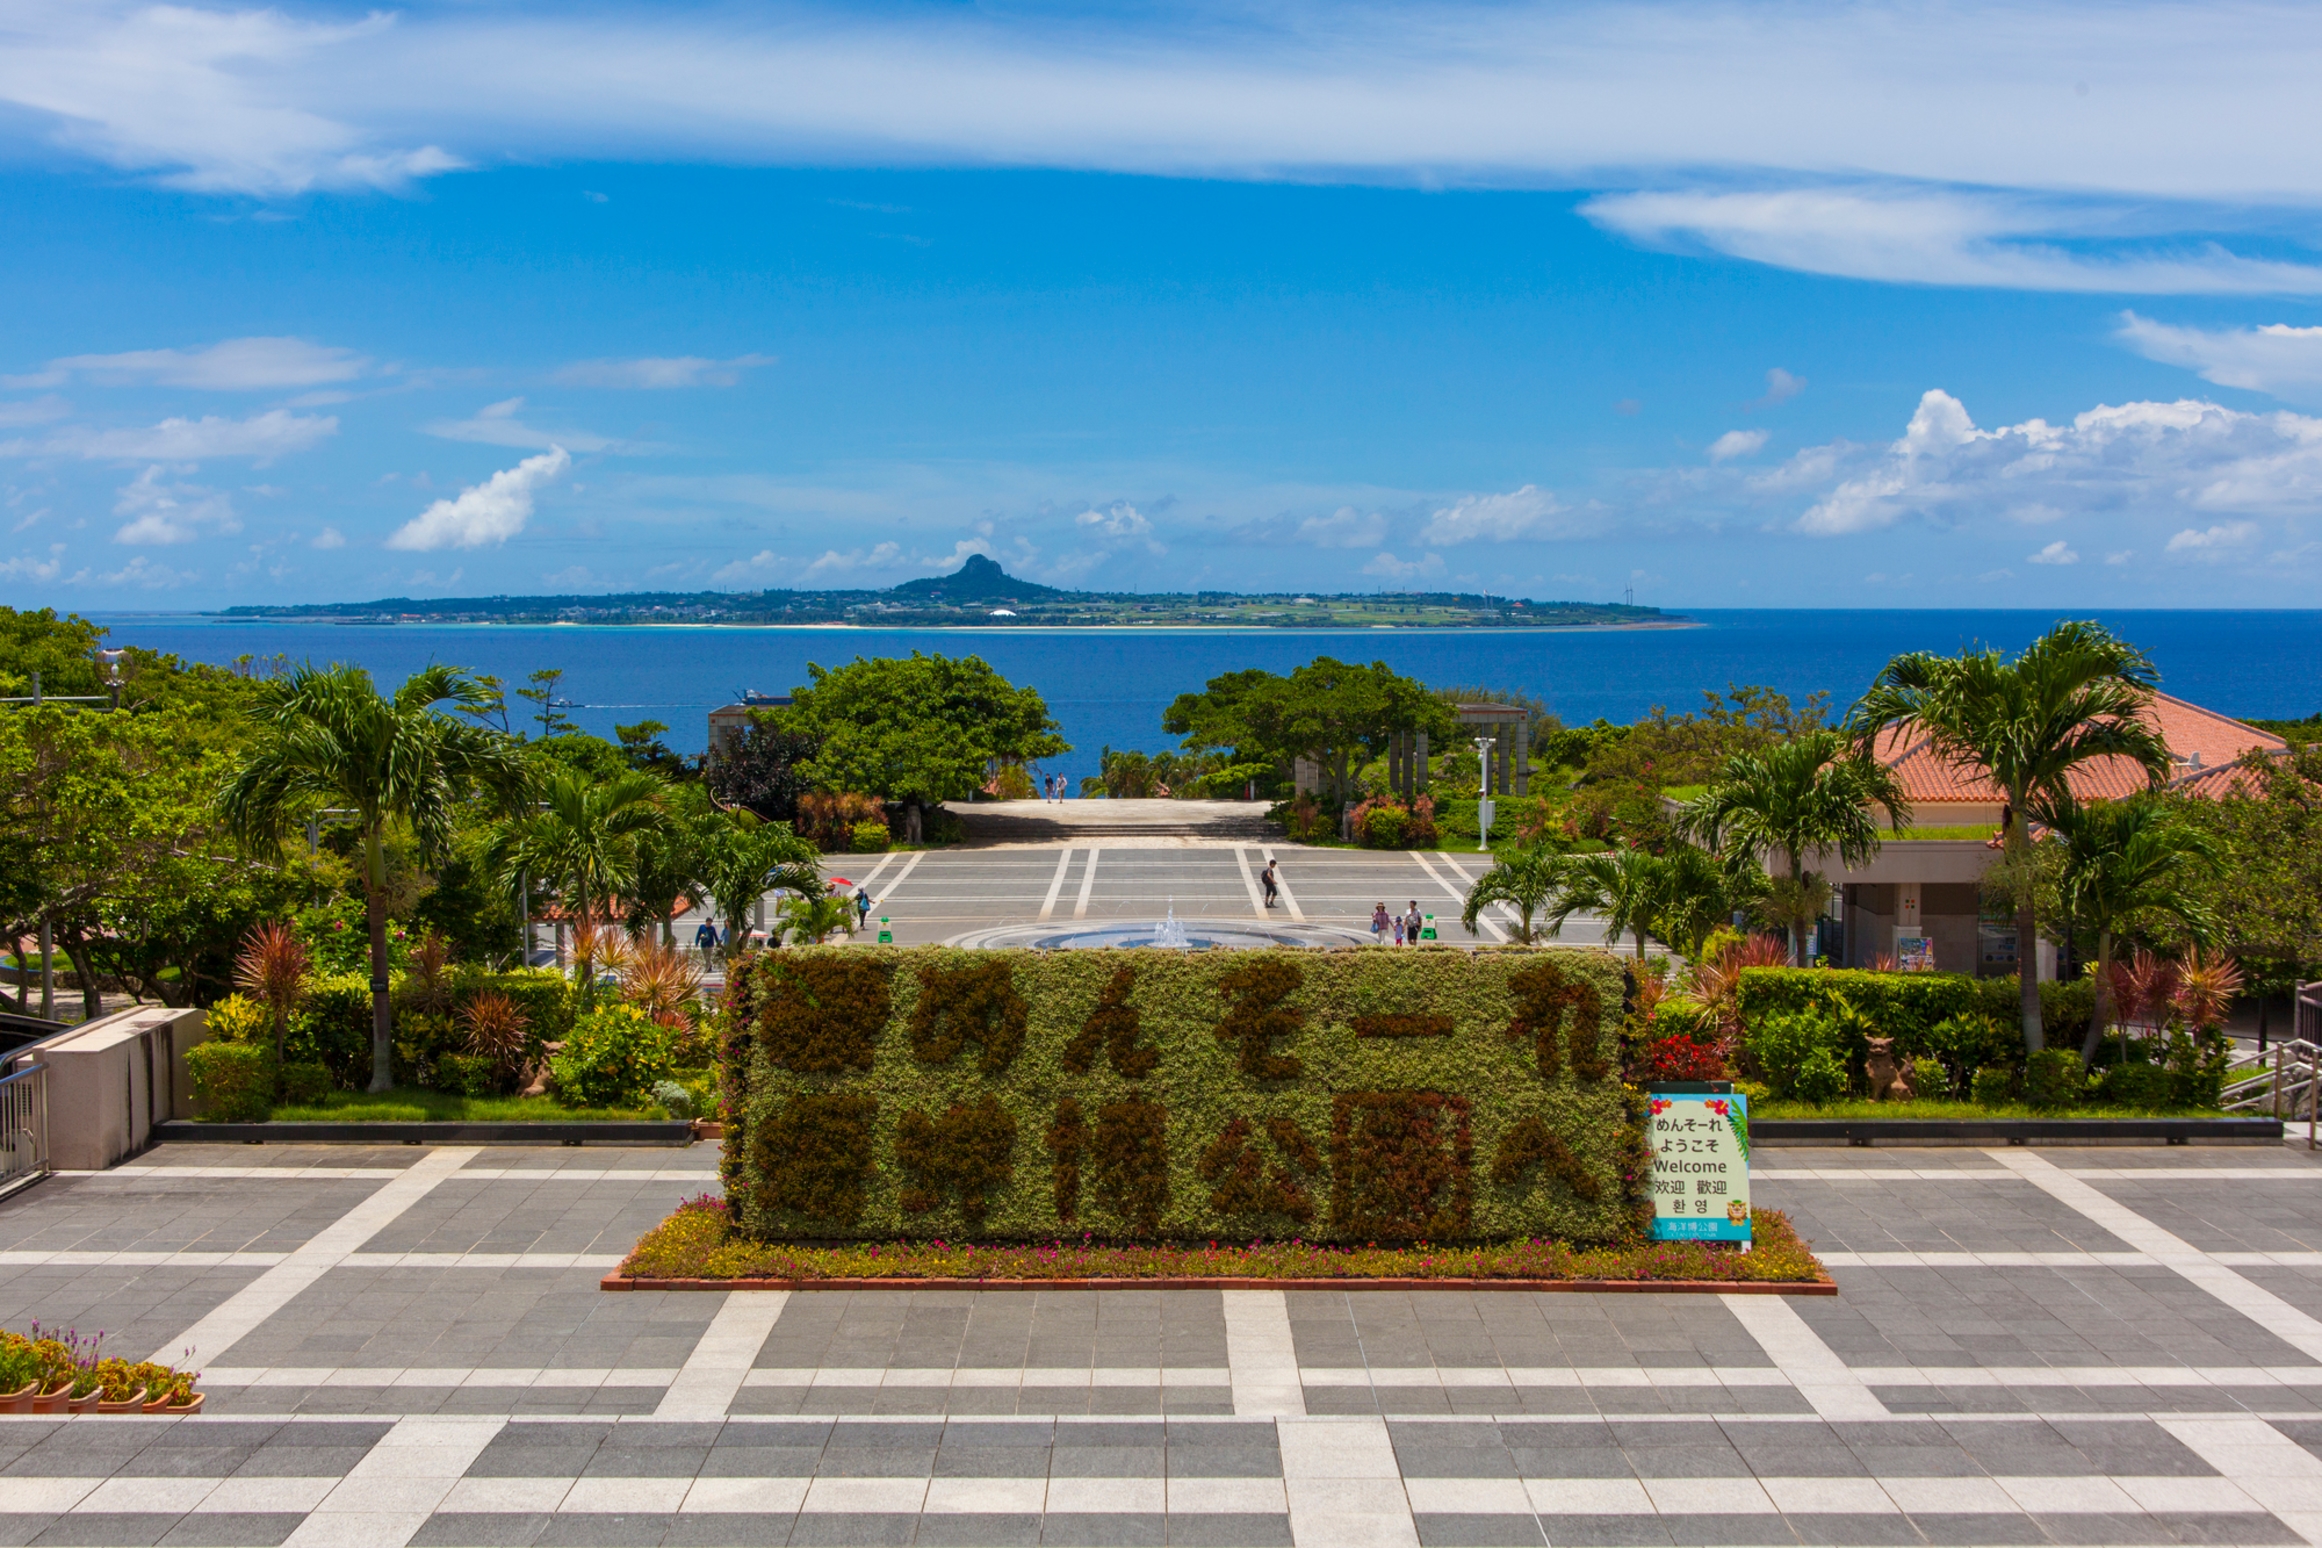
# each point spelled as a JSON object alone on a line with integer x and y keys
{"x": 1170, "y": 933}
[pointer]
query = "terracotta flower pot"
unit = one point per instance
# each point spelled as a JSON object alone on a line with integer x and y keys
{"x": 19, "y": 1401}
{"x": 162, "y": 1405}
{"x": 85, "y": 1405}
{"x": 53, "y": 1401}
{"x": 127, "y": 1405}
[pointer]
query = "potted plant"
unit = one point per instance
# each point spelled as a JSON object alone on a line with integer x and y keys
{"x": 121, "y": 1386}
{"x": 55, "y": 1373}
{"x": 172, "y": 1392}
{"x": 19, "y": 1374}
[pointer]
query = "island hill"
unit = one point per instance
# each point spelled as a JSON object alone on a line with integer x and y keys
{"x": 984, "y": 595}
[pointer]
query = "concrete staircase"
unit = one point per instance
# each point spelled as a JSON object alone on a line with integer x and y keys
{"x": 1081, "y": 821}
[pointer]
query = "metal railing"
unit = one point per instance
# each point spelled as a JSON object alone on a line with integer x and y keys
{"x": 2306, "y": 1013}
{"x": 23, "y": 1128}
{"x": 2285, "y": 1081}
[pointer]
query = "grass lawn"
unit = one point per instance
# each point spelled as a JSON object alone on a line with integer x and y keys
{"x": 1772, "y": 1108}
{"x": 1972, "y": 830}
{"x": 410, "y": 1105}
{"x": 696, "y": 1243}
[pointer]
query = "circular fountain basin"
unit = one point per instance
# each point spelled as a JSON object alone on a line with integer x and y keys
{"x": 1181, "y": 934}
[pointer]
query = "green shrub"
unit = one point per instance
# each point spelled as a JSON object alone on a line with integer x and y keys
{"x": 1821, "y": 1077}
{"x": 1382, "y": 828}
{"x": 2065, "y": 1009}
{"x": 674, "y": 1098}
{"x": 2053, "y": 1078}
{"x": 869, "y": 838}
{"x": 239, "y": 1019}
{"x": 1146, "y": 1095}
{"x": 1966, "y": 1042}
{"x": 612, "y": 1057}
{"x": 1780, "y": 1044}
{"x": 470, "y": 1075}
{"x": 232, "y": 1082}
{"x": 2196, "y": 1063}
{"x": 1995, "y": 1085}
{"x": 1930, "y": 1081}
{"x": 2138, "y": 1085}
{"x": 303, "y": 1085}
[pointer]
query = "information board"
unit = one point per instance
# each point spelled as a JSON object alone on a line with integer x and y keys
{"x": 1700, "y": 1135}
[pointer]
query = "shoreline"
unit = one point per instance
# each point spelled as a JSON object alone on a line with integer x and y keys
{"x": 1350, "y": 630}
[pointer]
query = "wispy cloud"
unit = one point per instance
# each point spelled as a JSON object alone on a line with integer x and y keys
{"x": 496, "y": 424}
{"x": 652, "y": 373}
{"x": 1529, "y": 512}
{"x": 491, "y": 512}
{"x": 2058, "y": 552}
{"x": 2274, "y": 358}
{"x": 1737, "y": 443}
{"x": 261, "y": 437}
{"x": 236, "y": 365}
{"x": 2209, "y": 541}
{"x": 160, "y": 511}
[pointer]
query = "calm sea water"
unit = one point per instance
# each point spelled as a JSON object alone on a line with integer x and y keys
{"x": 1108, "y": 687}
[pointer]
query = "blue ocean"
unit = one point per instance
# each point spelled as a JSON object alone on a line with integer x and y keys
{"x": 1109, "y": 687}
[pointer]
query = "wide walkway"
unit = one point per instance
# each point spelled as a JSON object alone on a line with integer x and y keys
{"x": 408, "y": 1346}
{"x": 931, "y": 896}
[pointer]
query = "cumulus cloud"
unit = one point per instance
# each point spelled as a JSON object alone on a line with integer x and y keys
{"x": 1529, "y": 512}
{"x": 27, "y": 567}
{"x": 329, "y": 537}
{"x": 2113, "y": 459}
{"x": 1120, "y": 520}
{"x": 1345, "y": 527}
{"x": 490, "y": 512}
{"x": 262, "y": 437}
{"x": 653, "y": 373}
{"x": 1384, "y": 563}
{"x": 163, "y": 512}
{"x": 1737, "y": 443}
{"x": 2058, "y": 552}
{"x": 233, "y": 365}
{"x": 2275, "y": 358}
{"x": 496, "y": 424}
{"x": 2209, "y": 540}
{"x": 1781, "y": 387}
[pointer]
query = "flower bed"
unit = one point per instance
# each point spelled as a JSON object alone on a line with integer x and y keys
{"x": 49, "y": 1373}
{"x": 694, "y": 1248}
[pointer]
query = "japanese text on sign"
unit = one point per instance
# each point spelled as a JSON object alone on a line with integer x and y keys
{"x": 1701, "y": 1165}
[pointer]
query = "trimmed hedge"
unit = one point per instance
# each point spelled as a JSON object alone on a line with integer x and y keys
{"x": 334, "y": 1028}
{"x": 1907, "y": 1006}
{"x": 884, "y": 1093}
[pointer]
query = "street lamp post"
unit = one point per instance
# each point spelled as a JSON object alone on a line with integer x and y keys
{"x": 1483, "y": 788}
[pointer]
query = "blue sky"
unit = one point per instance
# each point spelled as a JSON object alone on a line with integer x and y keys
{"x": 1809, "y": 305}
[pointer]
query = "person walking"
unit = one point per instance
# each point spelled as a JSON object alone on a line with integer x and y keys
{"x": 1398, "y": 929}
{"x": 1273, "y": 888}
{"x": 862, "y": 907}
{"x": 1378, "y": 924}
{"x": 705, "y": 939}
{"x": 1411, "y": 923}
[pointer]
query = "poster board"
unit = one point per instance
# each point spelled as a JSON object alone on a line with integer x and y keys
{"x": 1699, "y": 1134}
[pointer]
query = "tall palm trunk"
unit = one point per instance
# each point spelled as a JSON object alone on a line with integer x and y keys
{"x": 375, "y": 919}
{"x": 1797, "y": 905}
{"x": 2101, "y": 1016}
{"x": 2027, "y": 923}
{"x": 585, "y": 948}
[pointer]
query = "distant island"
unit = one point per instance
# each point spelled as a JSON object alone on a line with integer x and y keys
{"x": 983, "y": 595}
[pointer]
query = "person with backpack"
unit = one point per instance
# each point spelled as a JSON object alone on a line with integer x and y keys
{"x": 1273, "y": 887}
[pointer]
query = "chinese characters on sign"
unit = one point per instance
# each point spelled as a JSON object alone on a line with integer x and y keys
{"x": 1700, "y": 1134}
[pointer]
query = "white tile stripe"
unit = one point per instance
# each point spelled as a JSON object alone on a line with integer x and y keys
{"x": 361, "y": 1261}
{"x": 1281, "y": 881}
{"x": 2262, "y": 1306}
{"x": 1821, "y": 1377}
{"x": 465, "y": 1174}
{"x": 1260, "y": 1355}
{"x": 987, "y": 1377}
{"x": 2272, "y": 1469}
{"x": 1087, "y": 883}
{"x": 722, "y": 1356}
{"x": 387, "y": 1497}
{"x": 1852, "y": 1174}
{"x": 1250, "y": 882}
{"x": 1056, "y": 883}
{"x": 2055, "y": 1259}
{"x": 584, "y": 1378}
{"x": 1491, "y": 925}
{"x": 1343, "y": 1484}
{"x": 242, "y": 1312}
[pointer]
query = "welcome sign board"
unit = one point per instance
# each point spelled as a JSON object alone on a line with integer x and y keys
{"x": 1700, "y": 1135}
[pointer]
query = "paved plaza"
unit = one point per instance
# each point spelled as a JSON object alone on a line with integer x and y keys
{"x": 936, "y": 895}
{"x": 409, "y": 1346}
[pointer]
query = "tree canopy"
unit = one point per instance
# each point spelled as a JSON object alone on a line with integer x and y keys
{"x": 1337, "y": 713}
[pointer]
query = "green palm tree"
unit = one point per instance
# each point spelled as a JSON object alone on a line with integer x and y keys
{"x": 741, "y": 856}
{"x": 809, "y": 920}
{"x": 1525, "y": 879}
{"x": 1696, "y": 892}
{"x": 2127, "y": 862}
{"x": 326, "y": 738}
{"x": 1625, "y": 886}
{"x": 2074, "y": 694}
{"x": 1814, "y": 792}
{"x": 582, "y": 839}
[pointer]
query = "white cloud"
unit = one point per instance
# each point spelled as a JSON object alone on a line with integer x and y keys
{"x": 45, "y": 409}
{"x": 1120, "y": 520}
{"x": 1737, "y": 443}
{"x": 1345, "y": 527}
{"x": 162, "y": 512}
{"x": 2161, "y": 458}
{"x": 1529, "y": 512}
{"x": 234, "y": 365}
{"x": 2058, "y": 552}
{"x": 1781, "y": 387}
{"x": 329, "y": 537}
{"x": 2123, "y": 556}
{"x": 27, "y": 568}
{"x": 496, "y": 424}
{"x": 654, "y": 373}
{"x": 143, "y": 573}
{"x": 2275, "y": 358}
{"x": 1384, "y": 563}
{"x": 881, "y": 556}
{"x": 2207, "y": 540}
{"x": 490, "y": 512}
{"x": 262, "y": 437}
{"x": 1778, "y": 99}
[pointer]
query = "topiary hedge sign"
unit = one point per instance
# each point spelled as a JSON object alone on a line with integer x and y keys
{"x": 878, "y": 1093}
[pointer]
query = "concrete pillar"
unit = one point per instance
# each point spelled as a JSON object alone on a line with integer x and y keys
{"x": 1422, "y": 753}
{"x": 1524, "y": 756}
